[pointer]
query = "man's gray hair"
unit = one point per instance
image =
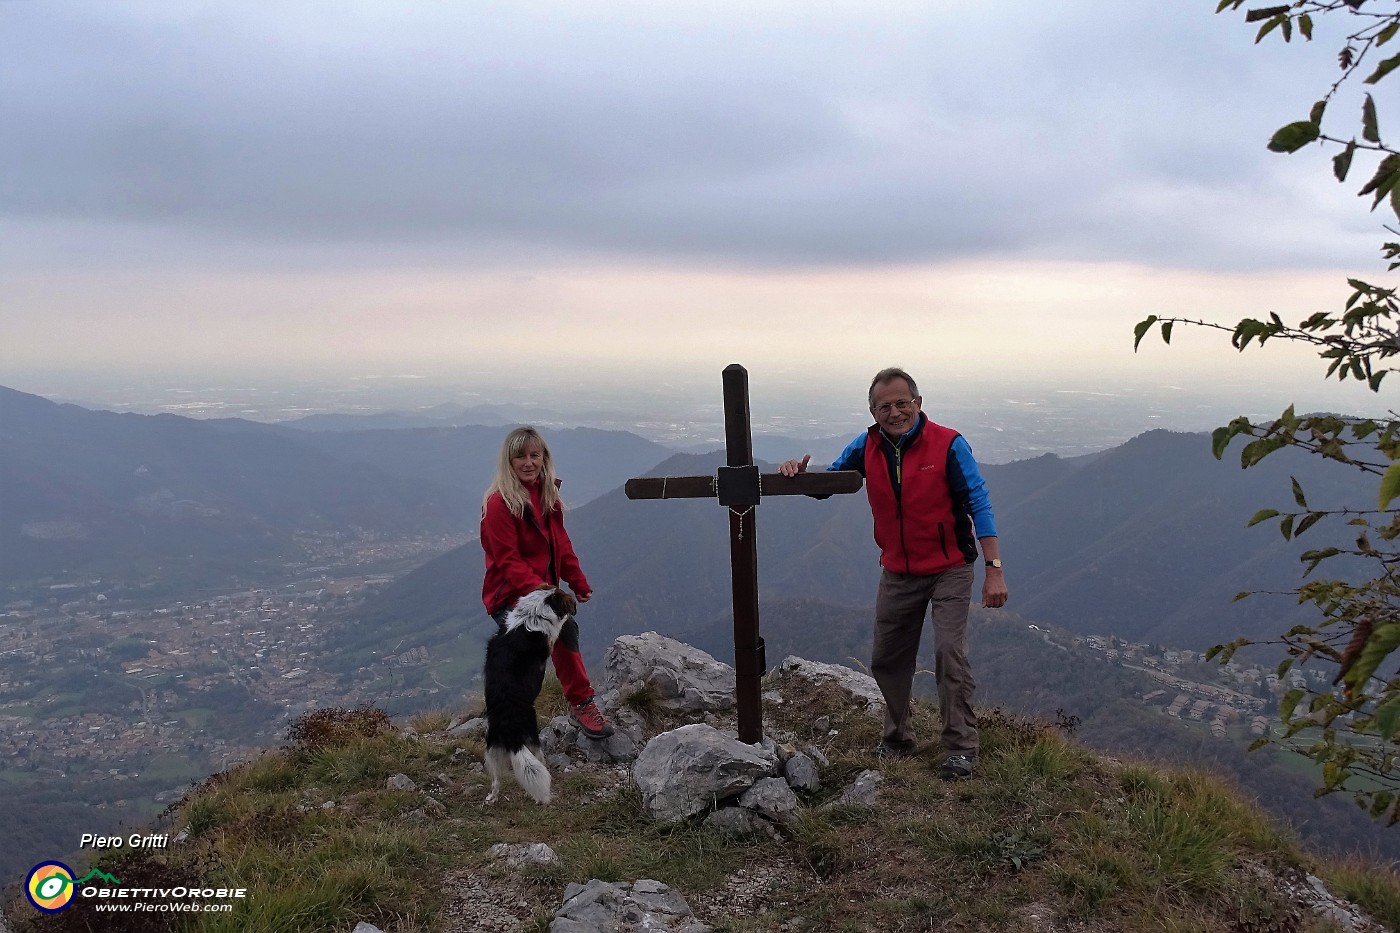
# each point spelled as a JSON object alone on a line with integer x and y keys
{"x": 888, "y": 375}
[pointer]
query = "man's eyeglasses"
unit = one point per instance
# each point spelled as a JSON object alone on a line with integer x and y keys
{"x": 899, "y": 404}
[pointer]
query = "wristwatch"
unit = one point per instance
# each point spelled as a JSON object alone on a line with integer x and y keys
{"x": 995, "y": 562}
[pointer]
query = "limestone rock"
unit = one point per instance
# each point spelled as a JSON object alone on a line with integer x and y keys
{"x": 801, "y": 773}
{"x": 518, "y": 856}
{"x": 861, "y": 687}
{"x": 687, "y": 770}
{"x": 617, "y": 747}
{"x": 770, "y": 798}
{"x": 468, "y": 729}
{"x": 861, "y": 792}
{"x": 686, "y": 679}
{"x": 602, "y": 907}
{"x": 738, "y": 823}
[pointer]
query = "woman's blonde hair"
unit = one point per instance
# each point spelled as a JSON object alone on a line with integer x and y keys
{"x": 515, "y": 495}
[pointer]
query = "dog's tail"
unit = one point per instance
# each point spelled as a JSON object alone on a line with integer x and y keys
{"x": 532, "y": 774}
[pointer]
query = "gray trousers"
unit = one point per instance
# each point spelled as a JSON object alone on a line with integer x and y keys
{"x": 900, "y": 606}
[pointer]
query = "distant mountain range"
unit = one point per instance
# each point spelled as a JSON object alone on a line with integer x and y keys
{"x": 447, "y": 415}
{"x": 97, "y": 492}
{"x": 1147, "y": 541}
{"x": 590, "y": 461}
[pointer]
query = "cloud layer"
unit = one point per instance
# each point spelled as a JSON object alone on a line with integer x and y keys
{"x": 768, "y": 134}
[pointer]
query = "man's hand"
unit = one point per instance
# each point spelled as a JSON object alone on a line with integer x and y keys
{"x": 793, "y": 467}
{"x": 994, "y": 593}
{"x": 583, "y": 597}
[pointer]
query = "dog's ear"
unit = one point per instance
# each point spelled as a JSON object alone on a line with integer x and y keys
{"x": 563, "y": 604}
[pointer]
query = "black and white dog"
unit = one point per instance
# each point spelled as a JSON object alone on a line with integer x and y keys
{"x": 515, "y": 660}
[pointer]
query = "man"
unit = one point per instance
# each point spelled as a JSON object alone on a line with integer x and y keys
{"x": 928, "y": 501}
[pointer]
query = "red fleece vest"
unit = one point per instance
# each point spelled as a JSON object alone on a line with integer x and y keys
{"x": 916, "y": 531}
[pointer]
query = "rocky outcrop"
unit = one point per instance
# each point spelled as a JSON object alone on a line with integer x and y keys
{"x": 684, "y": 679}
{"x": 689, "y": 770}
{"x": 604, "y": 907}
{"x": 861, "y": 688}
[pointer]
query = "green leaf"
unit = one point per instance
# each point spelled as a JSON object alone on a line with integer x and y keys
{"x": 1318, "y": 109}
{"x": 1269, "y": 27}
{"x": 1298, "y": 493}
{"x": 1258, "y": 744}
{"x": 1220, "y": 439}
{"x": 1387, "y": 718}
{"x": 1384, "y": 639}
{"x": 1141, "y": 329}
{"x": 1305, "y": 26}
{"x": 1341, "y": 164}
{"x": 1226, "y": 652}
{"x": 1167, "y": 332}
{"x": 1390, "y": 485}
{"x": 1384, "y": 68}
{"x": 1289, "y": 703}
{"x": 1263, "y": 515}
{"x": 1294, "y": 136}
{"x": 1387, "y": 174}
{"x": 1286, "y": 526}
{"x": 1386, "y": 34}
{"x": 1312, "y": 518}
{"x": 1370, "y": 131}
{"x": 1255, "y": 15}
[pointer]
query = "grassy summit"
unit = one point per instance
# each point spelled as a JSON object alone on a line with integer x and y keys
{"x": 1047, "y": 837}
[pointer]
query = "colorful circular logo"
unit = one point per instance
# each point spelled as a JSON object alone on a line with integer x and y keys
{"x": 49, "y": 886}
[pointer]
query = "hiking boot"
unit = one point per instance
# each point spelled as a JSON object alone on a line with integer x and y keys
{"x": 957, "y": 767}
{"x": 591, "y": 722}
{"x": 894, "y": 750}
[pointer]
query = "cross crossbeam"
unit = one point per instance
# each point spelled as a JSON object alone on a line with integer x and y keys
{"x": 739, "y": 487}
{"x": 771, "y": 484}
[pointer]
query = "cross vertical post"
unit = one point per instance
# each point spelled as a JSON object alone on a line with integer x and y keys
{"x": 749, "y": 662}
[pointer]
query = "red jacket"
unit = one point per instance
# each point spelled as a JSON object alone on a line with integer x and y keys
{"x": 920, "y": 527}
{"x": 522, "y": 554}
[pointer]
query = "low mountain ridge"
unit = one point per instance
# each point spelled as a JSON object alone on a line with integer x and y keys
{"x": 99, "y": 491}
{"x": 1147, "y": 541}
{"x": 104, "y": 493}
{"x": 592, "y": 461}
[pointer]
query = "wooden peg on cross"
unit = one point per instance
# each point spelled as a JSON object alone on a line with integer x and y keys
{"x": 739, "y": 487}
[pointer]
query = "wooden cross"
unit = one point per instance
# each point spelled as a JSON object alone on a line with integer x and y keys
{"x": 739, "y": 487}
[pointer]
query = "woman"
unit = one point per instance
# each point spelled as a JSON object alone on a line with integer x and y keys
{"x": 522, "y": 533}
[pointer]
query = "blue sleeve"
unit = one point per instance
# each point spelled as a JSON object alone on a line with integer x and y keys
{"x": 965, "y": 481}
{"x": 852, "y": 458}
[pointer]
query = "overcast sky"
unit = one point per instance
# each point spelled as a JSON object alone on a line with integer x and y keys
{"x": 621, "y": 190}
